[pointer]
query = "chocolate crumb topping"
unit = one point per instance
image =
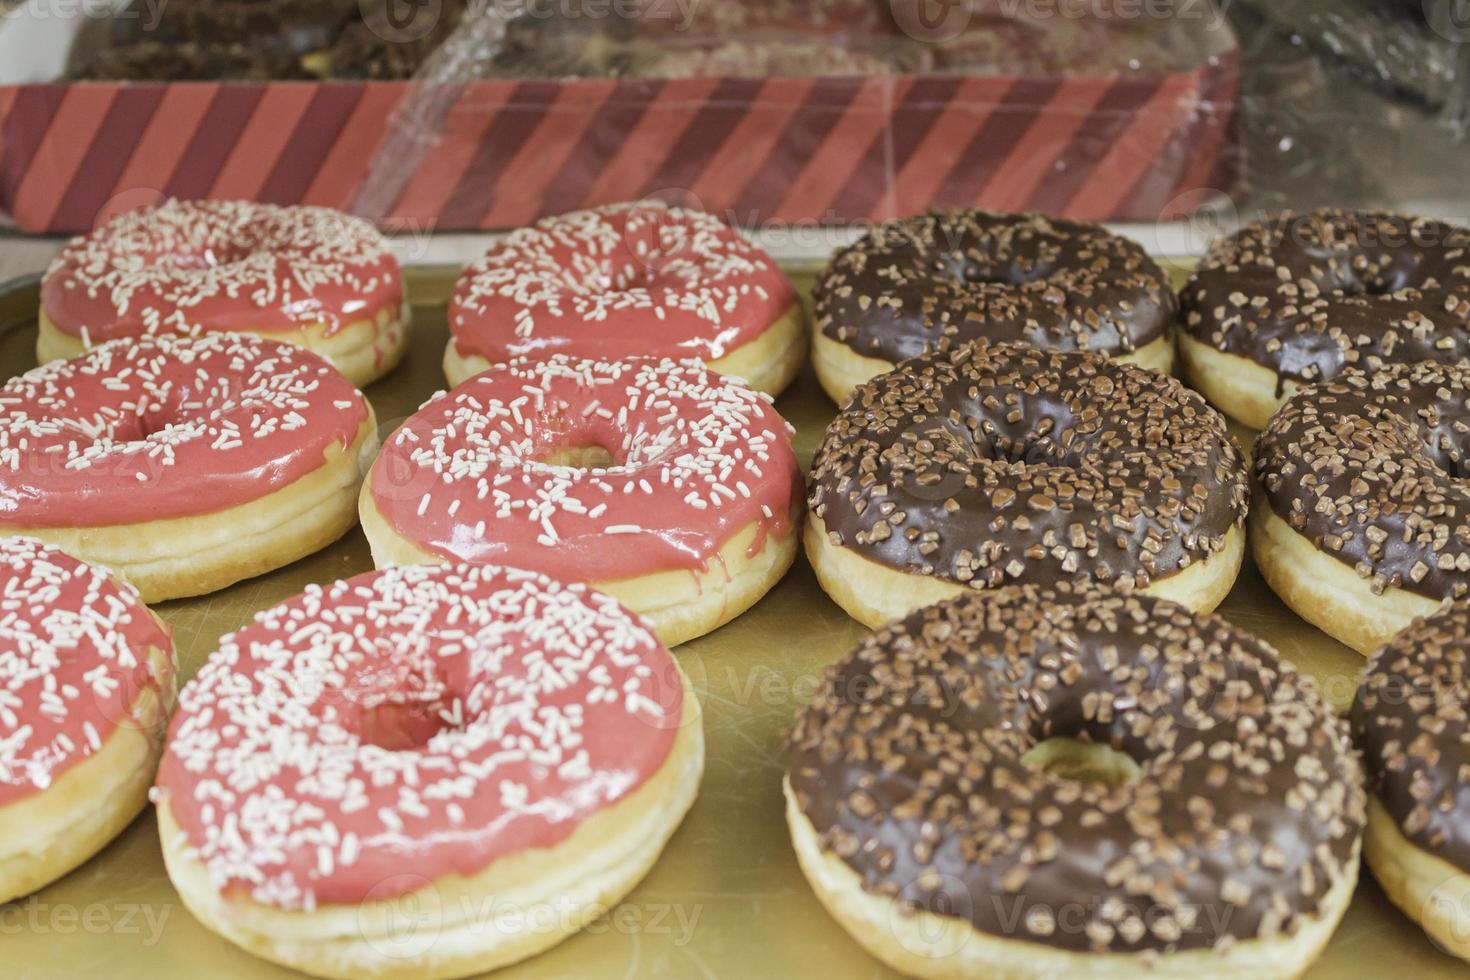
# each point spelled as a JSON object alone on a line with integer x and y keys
{"x": 936, "y": 280}
{"x": 1308, "y": 294}
{"x": 1246, "y": 809}
{"x": 1370, "y": 468}
{"x": 994, "y": 464}
{"x": 1410, "y": 721}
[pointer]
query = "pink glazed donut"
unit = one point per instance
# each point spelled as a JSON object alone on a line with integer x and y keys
{"x": 627, "y": 280}
{"x": 86, "y": 682}
{"x": 659, "y": 482}
{"x": 305, "y": 275}
{"x": 482, "y": 750}
{"x": 184, "y": 464}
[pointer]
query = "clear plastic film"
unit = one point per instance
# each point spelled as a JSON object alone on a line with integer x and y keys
{"x": 820, "y": 113}
{"x": 1353, "y": 103}
{"x": 476, "y": 115}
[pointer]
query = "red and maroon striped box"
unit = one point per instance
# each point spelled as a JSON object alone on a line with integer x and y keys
{"x": 494, "y": 154}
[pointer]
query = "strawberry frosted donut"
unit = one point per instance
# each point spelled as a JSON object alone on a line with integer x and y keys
{"x": 477, "y": 748}
{"x": 183, "y": 464}
{"x": 661, "y": 483}
{"x": 306, "y": 275}
{"x": 86, "y": 681}
{"x": 627, "y": 280}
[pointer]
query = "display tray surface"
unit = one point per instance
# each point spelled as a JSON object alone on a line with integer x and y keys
{"x": 727, "y": 898}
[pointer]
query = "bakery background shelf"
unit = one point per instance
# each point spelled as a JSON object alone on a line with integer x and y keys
{"x": 1106, "y": 132}
{"x": 727, "y": 878}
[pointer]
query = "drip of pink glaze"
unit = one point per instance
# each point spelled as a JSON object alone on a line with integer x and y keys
{"x": 197, "y": 266}
{"x": 301, "y": 771}
{"x": 74, "y": 657}
{"x": 697, "y": 458}
{"x": 166, "y": 426}
{"x": 628, "y": 279}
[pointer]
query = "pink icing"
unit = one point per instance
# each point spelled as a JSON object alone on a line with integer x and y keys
{"x": 621, "y": 280}
{"x": 362, "y": 739}
{"x": 697, "y": 457}
{"x": 74, "y": 656}
{"x": 166, "y": 426}
{"x": 197, "y": 266}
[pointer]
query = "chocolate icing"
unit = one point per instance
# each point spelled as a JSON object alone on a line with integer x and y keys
{"x": 936, "y": 280}
{"x": 992, "y": 464}
{"x": 1409, "y": 721}
{"x": 1247, "y": 807}
{"x": 1308, "y": 294}
{"x": 1369, "y": 468}
{"x": 385, "y": 44}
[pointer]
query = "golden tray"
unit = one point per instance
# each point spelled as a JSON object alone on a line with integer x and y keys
{"x": 726, "y": 899}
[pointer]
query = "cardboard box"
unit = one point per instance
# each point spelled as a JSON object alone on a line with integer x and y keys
{"x": 483, "y": 155}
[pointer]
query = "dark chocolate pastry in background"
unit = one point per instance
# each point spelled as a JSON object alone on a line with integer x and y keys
{"x": 1410, "y": 722}
{"x": 295, "y": 25}
{"x": 387, "y": 43}
{"x": 457, "y": 40}
{"x": 185, "y": 61}
{"x": 936, "y": 280}
{"x": 990, "y": 465}
{"x": 200, "y": 40}
{"x": 1299, "y": 297}
{"x": 1363, "y": 521}
{"x": 932, "y": 772}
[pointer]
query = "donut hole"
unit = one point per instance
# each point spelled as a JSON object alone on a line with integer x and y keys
{"x": 396, "y": 703}
{"x": 1081, "y": 760}
{"x": 589, "y": 457}
{"x": 1365, "y": 283}
{"x": 144, "y": 421}
{"x": 401, "y": 725}
{"x": 988, "y": 271}
{"x": 577, "y": 442}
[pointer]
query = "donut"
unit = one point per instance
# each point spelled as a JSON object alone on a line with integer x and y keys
{"x": 993, "y": 464}
{"x": 306, "y": 275}
{"x": 1364, "y": 520}
{"x": 184, "y": 464}
{"x": 1074, "y": 782}
{"x": 484, "y": 752}
{"x": 938, "y": 280}
{"x": 668, "y": 487}
{"x": 1409, "y": 720}
{"x": 627, "y": 280}
{"x": 1302, "y": 296}
{"x": 86, "y": 682}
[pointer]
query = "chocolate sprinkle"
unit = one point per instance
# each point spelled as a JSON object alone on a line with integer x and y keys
{"x": 1246, "y": 810}
{"x": 1369, "y": 468}
{"x": 935, "y": 280}
{"x": 992, "y": 464}
{"x": 1309, "y": 294}
{"x": 1410, "y": 721}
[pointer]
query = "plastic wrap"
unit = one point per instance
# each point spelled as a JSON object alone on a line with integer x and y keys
{"x": 787, "y": 114}
{"x": 1353, "y": 103}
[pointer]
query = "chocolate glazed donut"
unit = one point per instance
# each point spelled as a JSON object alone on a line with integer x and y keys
{"x": 1303, "y": 296}
{"x": 937, "y": 280}
{"x": 988, "y": 465}
{"x": 1365, "y": 521}
{"x": 1409, "y": 719}
{"x": 946, "y": 802}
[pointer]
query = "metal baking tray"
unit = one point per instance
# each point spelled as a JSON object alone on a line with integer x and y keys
{"x": 726, "y": 899}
